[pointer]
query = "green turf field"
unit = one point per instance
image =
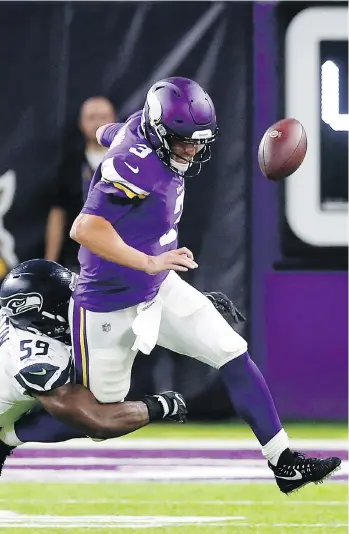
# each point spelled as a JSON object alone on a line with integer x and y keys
{"x": 225, "y": 508}
{"x": 187, "y": 507}
{"x": 237, "y": 430}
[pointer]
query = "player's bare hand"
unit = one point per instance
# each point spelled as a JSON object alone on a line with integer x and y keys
{"x": 186, "y": 251}
{"x": 181, "y": 259}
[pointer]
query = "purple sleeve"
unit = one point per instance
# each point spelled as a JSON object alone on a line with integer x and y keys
{"x": 128, "y": 177}
{"x": 103, "y": 202}
{"x": 109, "y": 133}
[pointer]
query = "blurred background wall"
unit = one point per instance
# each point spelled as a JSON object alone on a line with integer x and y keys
{"x": 278, "y": 250}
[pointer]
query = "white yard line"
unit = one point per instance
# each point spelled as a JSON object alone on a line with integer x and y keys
{"x": 288, "y": 502}
{"x": 199, "y": 444}
{"x": 135, "y": 462}
{"x": 10, "y": 519}
{"x": 168, "y": 474}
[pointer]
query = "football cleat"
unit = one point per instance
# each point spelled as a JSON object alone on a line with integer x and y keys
{"x": 294, "y": 475}
{"x": 5, "y": 451}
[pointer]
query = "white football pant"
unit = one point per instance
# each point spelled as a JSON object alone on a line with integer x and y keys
{"x": 180, "y": 318}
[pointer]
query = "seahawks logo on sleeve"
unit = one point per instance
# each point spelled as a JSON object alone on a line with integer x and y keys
{"x": 40, "y": 377}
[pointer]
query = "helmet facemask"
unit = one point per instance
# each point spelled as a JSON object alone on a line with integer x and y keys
{"x": 55, "y": 325}
{"x": 191, "y": 167}
{"x": 164, "y": 152}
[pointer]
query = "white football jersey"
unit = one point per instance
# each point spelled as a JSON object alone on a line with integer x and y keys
{"x": 28, "y": 362}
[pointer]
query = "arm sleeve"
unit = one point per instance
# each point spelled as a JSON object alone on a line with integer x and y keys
{"x": 118, "y": 189}
{"x": 127, "y": 178}
{"x": 104, "y": 201}
{"x": 109, "y": 133}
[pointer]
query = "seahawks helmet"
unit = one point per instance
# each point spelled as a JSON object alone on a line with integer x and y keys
{"x": 35, "y": 296}
{"x": 180, "y": 109}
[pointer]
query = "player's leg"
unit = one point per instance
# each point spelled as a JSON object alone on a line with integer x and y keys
{"x": 40, "y": 426}
{"x": 102, "y": 348}
{"x": 192, "y": 326}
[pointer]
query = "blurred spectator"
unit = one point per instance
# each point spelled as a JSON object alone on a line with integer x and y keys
{"x": 73, "y": 181}
{"x": 94, "y": 112}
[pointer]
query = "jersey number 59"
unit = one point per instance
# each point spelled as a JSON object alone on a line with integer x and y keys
{"x": 26, "y": 348}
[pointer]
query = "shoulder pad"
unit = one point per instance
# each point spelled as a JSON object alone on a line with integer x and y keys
{"x": 44, "y": 376}
{"x": 45, "y": 364}
{"x": 129, "y": 174}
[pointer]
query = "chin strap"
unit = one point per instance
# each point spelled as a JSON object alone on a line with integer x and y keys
{"x": 180, "y": 167}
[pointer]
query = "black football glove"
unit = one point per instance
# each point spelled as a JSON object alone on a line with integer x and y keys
{"x": 225, "y": 307}
{"x": 167, "y": 405}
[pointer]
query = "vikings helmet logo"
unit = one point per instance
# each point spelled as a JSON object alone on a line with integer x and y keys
{"x": 155, "y": 108}
{"x": 22, "y": 303}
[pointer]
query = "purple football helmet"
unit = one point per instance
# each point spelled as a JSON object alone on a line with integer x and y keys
{"x": 179, "y": 109}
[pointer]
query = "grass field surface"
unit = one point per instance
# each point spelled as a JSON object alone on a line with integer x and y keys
{"x": 237, "y": 430}
{"x": 172, "y": 509}
{"x": 170, "y": 479}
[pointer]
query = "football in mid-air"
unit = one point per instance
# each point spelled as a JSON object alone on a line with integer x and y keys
{"x": 282, "y": 149}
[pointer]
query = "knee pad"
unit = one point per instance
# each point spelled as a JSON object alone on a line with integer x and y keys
{"x": 110, "y": 374}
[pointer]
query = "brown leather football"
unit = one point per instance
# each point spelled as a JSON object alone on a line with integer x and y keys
{"x": 282, "y": 149}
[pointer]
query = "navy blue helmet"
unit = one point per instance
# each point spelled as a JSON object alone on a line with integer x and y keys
{"x": 35, "y": 296}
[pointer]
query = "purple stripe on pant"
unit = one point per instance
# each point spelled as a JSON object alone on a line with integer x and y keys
{"x": 80, "y": 347}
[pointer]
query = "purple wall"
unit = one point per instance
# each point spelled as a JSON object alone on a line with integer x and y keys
{"x": 299, "y": 320}
{"x": 264, "y": 193}
{"x": 306, "y": 321}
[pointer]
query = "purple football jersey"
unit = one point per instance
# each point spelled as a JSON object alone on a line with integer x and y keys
{"x": 143, "y": 200}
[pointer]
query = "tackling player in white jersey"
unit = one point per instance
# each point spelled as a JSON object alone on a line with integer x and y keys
{"x": 37, "y": 367}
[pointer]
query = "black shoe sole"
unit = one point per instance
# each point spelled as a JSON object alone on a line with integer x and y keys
{"x": 293, "y": 491}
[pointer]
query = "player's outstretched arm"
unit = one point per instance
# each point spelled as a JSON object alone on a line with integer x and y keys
{"x": 100, "y": 131}
{"x": 77, "y": 406}
{"x": 106, "y": 133}
{"x": 99, "y": 236}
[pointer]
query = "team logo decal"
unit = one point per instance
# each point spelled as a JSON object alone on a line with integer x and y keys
{"x": 275, "y": 133}
{"x": 21, "y": 303}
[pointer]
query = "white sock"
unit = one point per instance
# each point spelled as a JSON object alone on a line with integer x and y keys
{"x": 9, "y": 437}
{"x": 275, "y": 447}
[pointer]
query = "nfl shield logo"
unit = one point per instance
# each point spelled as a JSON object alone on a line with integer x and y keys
{"x": 106, "y": 327}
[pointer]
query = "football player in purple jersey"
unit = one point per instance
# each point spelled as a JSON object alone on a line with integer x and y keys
{"x": 129, "y": 296}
